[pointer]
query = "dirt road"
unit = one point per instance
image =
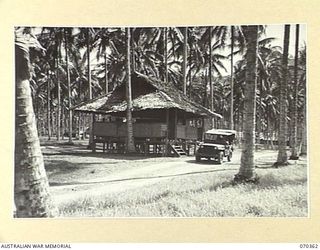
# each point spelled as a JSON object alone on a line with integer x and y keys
{"x": 75, "y": 173}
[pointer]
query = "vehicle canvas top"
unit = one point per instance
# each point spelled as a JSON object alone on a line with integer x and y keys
{"x": 219, "y": 136}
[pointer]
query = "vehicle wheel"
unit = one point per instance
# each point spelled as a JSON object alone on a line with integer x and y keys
{"x": 229, "y": 156}
{"x": 220, "y": 158}
{"x": 198, "y": 158}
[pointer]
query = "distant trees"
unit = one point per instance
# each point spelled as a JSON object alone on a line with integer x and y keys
{"x": 165, "y": 53}
{"x": 192, "y": 58}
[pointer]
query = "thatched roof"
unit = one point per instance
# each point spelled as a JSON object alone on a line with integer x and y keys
{"x": 147, "y": 94}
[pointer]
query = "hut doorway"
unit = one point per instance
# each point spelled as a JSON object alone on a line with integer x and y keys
{"x": 172, "y": 124}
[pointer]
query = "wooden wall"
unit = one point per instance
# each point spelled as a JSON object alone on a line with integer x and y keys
{"x": 187, "y": 132}
{"x": 113, "y": 129}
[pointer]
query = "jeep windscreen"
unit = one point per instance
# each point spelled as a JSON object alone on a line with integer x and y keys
{"x": 214, "y": 138}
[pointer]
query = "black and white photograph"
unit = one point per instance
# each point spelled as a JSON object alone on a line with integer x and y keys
{"x": 161, "y": 122}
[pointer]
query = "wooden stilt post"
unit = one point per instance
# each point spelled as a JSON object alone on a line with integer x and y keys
{"x": 166, "y": 150}
{"x": 92, "y": 133}
{"x": 175, "y": 123}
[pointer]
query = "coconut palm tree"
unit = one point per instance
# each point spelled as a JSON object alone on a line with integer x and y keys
{"x": 49, "y": 105}
{"x": 184, "y": 62}
{"x": 232, "y": 77}
{"x": 302, "y": 108}
{"x": 87, "y": 30}
{"x": 205, "y": 59}
{"x": 294, "y": 149}
{"x": 210, "y": 69}
{"x": 282, "y": 138}
{"x": 165, "y": 53}
{"x": 45, "y": 68}
{"x": 247, "y": 168}
{"x": 58, "y": 56}
{"x": 31, "y": 188}
{"x": 236, "y": 40}
{"x": 130, "y": 148}
{"x": 67, "y": 32}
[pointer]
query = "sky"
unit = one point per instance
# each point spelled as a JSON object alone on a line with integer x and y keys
{"x": 277, "y": 32}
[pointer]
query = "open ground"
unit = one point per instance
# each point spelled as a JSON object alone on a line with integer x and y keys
{"x": 86, "y": 184}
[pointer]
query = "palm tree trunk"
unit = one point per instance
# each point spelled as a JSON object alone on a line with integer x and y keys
{"x": 130, "y": 148}
{"x": 106, "y": 72}
{"x": 190, "y": 84}
{"x": 31, "y": 188}
{"x": 260, "y": 116}
{"x": 132, "y": 54}
{"x": 63, "y": 117}
{"x": 210, "y": 70}
{"x": 205, "y": 98}
{"x": 231, "y": 75}
{"x": 294, "y": 149}
{"x": 247, "y": 167}
{"x": 184, "y": 63}
{"x": 304, "y": 125}
{"x": 90, "y": 88}
{"x": 69, "y": 87}
{"x": 48, "y": 107}
{"x": 165, "y": 54}
{"x": 282, "y": 138}
{"x": 53, "y": 123}
{"x": 58, "y": 94}
{"x": 88, "y": 64}
{"x": 304, "y": 139}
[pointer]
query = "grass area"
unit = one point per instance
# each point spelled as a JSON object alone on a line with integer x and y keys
{"x": 281, "y": 192}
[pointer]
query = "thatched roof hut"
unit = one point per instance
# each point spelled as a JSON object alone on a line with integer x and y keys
{"x": 148, "y": 94}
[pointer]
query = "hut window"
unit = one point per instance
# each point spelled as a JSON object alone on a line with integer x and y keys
{"x": 192, "y": 123}
{"x": 199, "y": 123}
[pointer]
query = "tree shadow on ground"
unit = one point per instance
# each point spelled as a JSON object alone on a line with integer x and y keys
{"x": 270, "y": 181}
{"x": 204, "y": 162}
{"x": 214, "y": 163}
{"x": 115, "y": 156}
{"x": 66, "y": 167}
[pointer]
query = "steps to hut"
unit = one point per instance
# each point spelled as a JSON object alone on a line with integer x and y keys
{"x": 178, "y": 150}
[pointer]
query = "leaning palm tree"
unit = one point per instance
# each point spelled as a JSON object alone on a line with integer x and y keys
{"x": 282, "y": 139}
{"x": 31, "y": 188}
{"x": 247, "y": 168}
{"x": 130, "y": 148}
